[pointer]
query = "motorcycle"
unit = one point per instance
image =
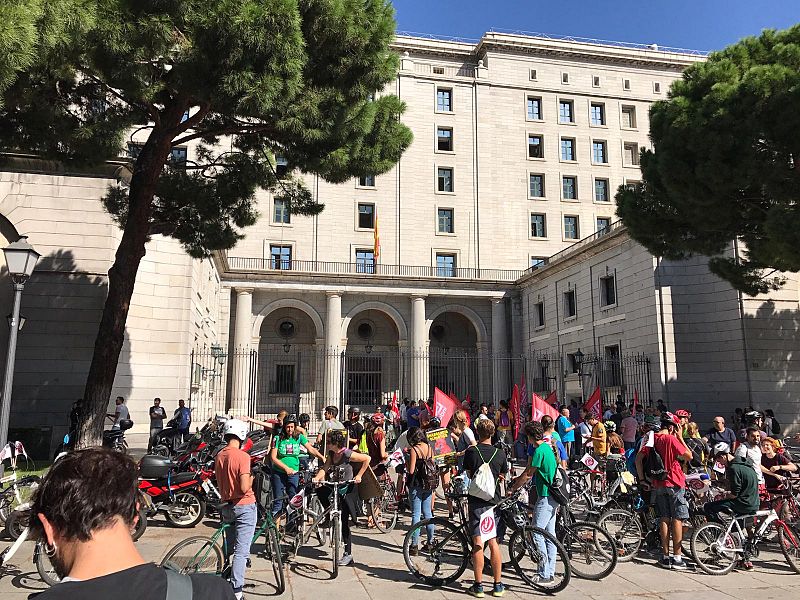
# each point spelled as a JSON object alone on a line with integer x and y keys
{"x": 115, "y": 438}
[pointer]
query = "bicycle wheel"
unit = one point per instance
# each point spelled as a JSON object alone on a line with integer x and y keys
{"x": 529, "y": 548}
{"x": 625, "y": 529}
{"x": 713, "y": 550}
{"x": 186, "y": 510}
{"x": 277, "y": 561}
{"x": 591, "y": 550}
{"x": 384, "y": 510}
{"x": 18, "y": 494}
{"x": 141, "y": 523}
{"x": 315, "y": 507}
{"x": 790, "y": 511}
{"x": 44, "y": 566}
{"x": 444, "y": 559}
{"x": 16, "y": 522}
{"x": 195, "y": 555}
{"x": 789, "y": 540}
{"x": 335, "y": 528}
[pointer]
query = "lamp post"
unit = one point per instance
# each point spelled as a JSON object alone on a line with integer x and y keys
{"x": 21, "y": 259}
{"x": 579, "y": 364}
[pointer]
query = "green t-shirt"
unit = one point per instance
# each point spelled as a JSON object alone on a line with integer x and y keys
{"x": 544, "y": 459}
{"x": 557, "y": 436}
{"x": 289, "y": 450}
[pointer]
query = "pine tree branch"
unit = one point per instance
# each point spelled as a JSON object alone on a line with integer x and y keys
{"x": 145, "y": 107}
{"x": 230, "y": 130}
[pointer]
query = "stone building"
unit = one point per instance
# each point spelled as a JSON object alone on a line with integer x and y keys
{"x": 519, "y": 146}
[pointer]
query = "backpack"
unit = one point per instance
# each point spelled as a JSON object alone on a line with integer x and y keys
{"x": 428, "y": 475}
{"x": 559, "y": 487}
{"x": 505, "y": 421}
{"x": 654, "y": 466}
{"x": 776, "y": 427}
{"x": 483, "y": 485}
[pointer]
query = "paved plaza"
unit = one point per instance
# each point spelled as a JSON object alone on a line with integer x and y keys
{"x": 380, "y": 572}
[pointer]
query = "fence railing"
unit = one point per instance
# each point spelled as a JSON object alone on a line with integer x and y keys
{"x": 279, "y": 266}
{"x": 577, "y": 246}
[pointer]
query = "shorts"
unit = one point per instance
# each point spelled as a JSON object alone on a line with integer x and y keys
{"x": 670, "y": 503}
{"x": 475, "y": 513}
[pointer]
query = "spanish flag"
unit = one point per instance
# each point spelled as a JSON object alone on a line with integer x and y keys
{"x": 376, "y": 247}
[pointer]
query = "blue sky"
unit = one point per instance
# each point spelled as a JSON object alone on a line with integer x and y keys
{"x": 693, "y": 24}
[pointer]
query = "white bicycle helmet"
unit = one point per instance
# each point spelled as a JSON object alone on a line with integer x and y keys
{"x": 721, "y": 448}
{"x": 236, "y": 428}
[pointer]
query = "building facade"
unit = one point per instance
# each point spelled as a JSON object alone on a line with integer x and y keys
{"x": 453, "y": 269}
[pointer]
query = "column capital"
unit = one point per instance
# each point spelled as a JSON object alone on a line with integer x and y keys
{"x": 333, "y": 294}
{"x": 497, "y": 300}
{"x": 418, "y": 296}
{"x": 243, "y": 290}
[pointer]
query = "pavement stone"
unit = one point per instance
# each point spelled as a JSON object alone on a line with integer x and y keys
{"x": 380, "y": 573}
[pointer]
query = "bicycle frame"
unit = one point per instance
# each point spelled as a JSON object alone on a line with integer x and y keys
{"x": 771, "y": 517}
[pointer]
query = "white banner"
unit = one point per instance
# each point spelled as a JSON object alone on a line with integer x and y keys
{"x": 589, "y": 461}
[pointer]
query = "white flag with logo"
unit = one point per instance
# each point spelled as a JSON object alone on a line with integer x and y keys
{"x": 589, "y": 461}
{"x": 488, "y": 525}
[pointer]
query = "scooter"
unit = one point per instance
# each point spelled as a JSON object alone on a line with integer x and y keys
{"x": 115, "y": 438}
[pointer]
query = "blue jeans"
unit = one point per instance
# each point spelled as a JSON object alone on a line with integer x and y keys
{"x": 544, "y": 514}
{"x": 238, "y": 538}
{"x": 420, "y": 506}
{"x": 283, "y": 485}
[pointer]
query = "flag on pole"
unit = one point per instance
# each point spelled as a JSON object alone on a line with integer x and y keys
{"x": 376, "y": 244}
{"x": 515, "y": 408}
{"x": 523, "y": 398}
{"x": 552, "y": 399}
{"x": 541, "y": 408}
{"x": 593, "y": 404}
{"x": 635, "y": 401}
{"x": 444, "y": 407}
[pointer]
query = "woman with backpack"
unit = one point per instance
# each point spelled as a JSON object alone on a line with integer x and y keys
{"x": 422, "y": 480}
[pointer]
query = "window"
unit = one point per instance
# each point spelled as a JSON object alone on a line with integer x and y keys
{"x": 603, "y": 223}
{"x": 281, "y": 166}
{"x": 566, "y": 113}
{"x": 571, "y": 230}
{"x": 567, "y": 149}
{"x": 366, "y": 181}
{"x": 595, "y": 81}
{"x": 573, "y": 365}
{"x": 656, "y": 87}
{"x": 281, "y": 212}
{"x": 632, "y": 185}
{"x": 538, "y": 314}
{"x": 613, "y": 375}
{"x": 565, "y": 78}
{"x": 630, "y": 154}
{"x": 284, "y": 380}
{"x": 629, "y": 117}
{"x": 601, "y": 193}
{"x": 444, "y": 139}
{"x": 570, "y": 306}
{"x": 445, "y": 265}
{"x": 438, "y": 70}
{"x": 366, "y": 216}
{"x": 598, "y": 113}
{"x": 178, "y": 157}
{"x": 281, "y": 257}
{"x": 532, "y": 74}
{"x": 599, "y": 154}
{"x": 538, "y": 225}
{"x": 569, "y": 188}
{"x": 444, "y": 100}
{"x": 445, "y": 220}
{"x": 365, "y": 261}
{"x": 538, "y": 261}
{"x": 444, "y": 179}
{"x": 534, "y": 108}
{"x": 535, "y": 146}
{"x": 536, "y": 185}
{"x": 626, "y": 84}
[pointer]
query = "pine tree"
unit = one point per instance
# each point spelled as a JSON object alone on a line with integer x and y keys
{"x": 246, "y": 81}
{"x": 725, "y": 164}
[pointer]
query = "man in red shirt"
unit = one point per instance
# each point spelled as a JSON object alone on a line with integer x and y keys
{"x": 235, "y": 482}
{"x": 669, "y": 488}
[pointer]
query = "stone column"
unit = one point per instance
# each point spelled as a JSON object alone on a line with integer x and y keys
{"x": 242, "y": 334}
{"x": 419, "y": 350}
{"x": 499, "y": 351}
{"x": 333, "y": 349}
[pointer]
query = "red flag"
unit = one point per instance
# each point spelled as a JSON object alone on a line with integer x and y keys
{"x": 552, "y": 399}
{"x": 395, "y": 408}
{"x": 593, "y": 404}
{"x": 515, "y": 408}
{"x": 541, "y": 408}
{"x": 523, "y": 397}
{"x": 635, "y": 401}
{"x": 444, "y": 407}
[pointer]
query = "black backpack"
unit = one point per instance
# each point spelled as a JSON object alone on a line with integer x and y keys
{"x": 776, "y": 427}
{"x": 654, "y": 469}
{"x": 428, "y": 474}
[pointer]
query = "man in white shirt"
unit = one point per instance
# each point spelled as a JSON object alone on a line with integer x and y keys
{"x": 122, "y": 413}
{"x": 328, "y": 424}
{"x": 750, "y": 450}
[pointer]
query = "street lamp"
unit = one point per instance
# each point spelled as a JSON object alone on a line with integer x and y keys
{"x": 21, "y": 259}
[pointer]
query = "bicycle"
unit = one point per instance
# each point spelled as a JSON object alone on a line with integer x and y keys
{"x": 17, "y": 493}
{"x": 451, "y": 549}
{"x": 201, "y": 554}
{"x": 717, "y": 547}
{"x": 335, "y": 514}
{"x": 41, "y": 559}
{"x": 386, "y": 508}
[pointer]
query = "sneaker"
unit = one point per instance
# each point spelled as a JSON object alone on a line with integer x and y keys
{"x": 499, "y": 590}
{"x": 678, "y": 564}
{"x": 544, "y": 580}
{"x": 413, "y": 551}
{"x": 476, "y": 589}
{"x": 347, "y": 559}
{"x": 665, "y": 562}
{"x": 746, "y": 565}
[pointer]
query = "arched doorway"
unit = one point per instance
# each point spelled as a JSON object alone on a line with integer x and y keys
{"x": 288, "y": 375}
{"x": 455, "y": 364}
{"x": 372, "y": 369}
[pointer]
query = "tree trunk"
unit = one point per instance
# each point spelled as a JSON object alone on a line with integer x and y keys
{"x": 121, "y": 279}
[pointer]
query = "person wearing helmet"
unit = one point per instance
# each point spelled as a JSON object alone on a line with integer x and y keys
{"x": 752, "y": 420}
{"x": 615, "y": 443}
{"x": 376, "y": 442}
{"x": 354, "y": 427}
{"x": 669, "y": 487}
{"x": 750, "y": 449}
{"x": 684, "y": 416}
{"x": 235, "y": 482}
{"x": 285, "y": 457}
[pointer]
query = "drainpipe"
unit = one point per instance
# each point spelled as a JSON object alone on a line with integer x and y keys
{"x": 745, "y": 351}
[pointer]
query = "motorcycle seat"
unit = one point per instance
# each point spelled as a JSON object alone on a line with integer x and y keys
{"x": 183, "y": 477}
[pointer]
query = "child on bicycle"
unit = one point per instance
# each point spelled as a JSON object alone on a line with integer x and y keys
{"x": 340, "y": 464}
